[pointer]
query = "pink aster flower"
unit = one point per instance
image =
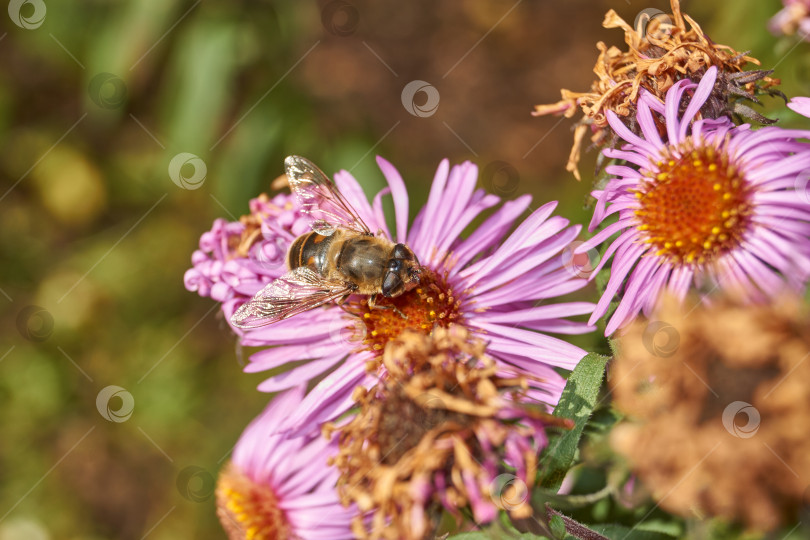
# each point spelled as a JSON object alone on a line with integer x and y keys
{"x": 236, "y": 259}
{"x": 492, "y": 282}
{"x": 793, "y": 18}
{"x": 714, "y": 205}
{"x": 277, "y": 486}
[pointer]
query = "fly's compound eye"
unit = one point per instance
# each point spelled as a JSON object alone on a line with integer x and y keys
{"x": 400, "y": 251}
{"x": 394, "y": 265}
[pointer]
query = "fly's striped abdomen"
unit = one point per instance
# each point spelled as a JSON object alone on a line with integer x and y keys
{"x": 310, "y": 250}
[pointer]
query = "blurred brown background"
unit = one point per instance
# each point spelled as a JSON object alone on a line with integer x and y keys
{"x": 96, "y": 99}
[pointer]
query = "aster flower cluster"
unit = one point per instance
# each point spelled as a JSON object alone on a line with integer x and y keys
{"x": 711, "y": 204}
{"x": 461, "y": 397}
{"x": 488, "y": 282}
{"x": 236, "y": 259}
{"x": 488, "y": 285}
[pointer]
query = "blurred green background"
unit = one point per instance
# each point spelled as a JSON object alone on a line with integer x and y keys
{"x": 98, "y": 96}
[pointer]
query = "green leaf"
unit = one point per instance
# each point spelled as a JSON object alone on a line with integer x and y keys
{"x": 501, "y": 529}
{"x": 625, "y": 533}
{"x": 668, "y": 528}
{"x": 602, "y": 278}
{"x": 495, "y": 534}
{"x": 557, "y": 526}
{"x": 577, "y": 403}
{"x": 602, "y": 421}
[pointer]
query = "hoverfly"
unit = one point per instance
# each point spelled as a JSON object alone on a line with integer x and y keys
{"x": 338, "y": 258}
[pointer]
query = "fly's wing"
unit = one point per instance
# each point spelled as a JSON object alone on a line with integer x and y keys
{"x": 295, "y": 292}
{"x": 321, "y": 199}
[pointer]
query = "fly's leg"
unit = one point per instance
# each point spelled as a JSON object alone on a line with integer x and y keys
{"x": 341, "y": 304}
{"x": 345, "y": 297}
{"x": 372, "y": 304}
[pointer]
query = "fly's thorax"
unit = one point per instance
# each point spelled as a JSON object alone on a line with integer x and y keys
{"x": 361, "y": 260}
{"x": 312, "y": 250}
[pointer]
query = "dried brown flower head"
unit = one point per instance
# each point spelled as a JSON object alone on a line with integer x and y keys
{"x": 719, "y": 406}
{"x": 436, "y": 433}
{"x": 661, "y": 51}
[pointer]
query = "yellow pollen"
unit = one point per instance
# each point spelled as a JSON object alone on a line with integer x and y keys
{"x": 431, "y": 304}
{"x": 695, "y": 209}
{"x": 248, "y": 509}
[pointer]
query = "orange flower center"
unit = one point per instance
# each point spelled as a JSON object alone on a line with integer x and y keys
{"x": 696, "y": 207}
{"x": 249, "y": 510}
{"x": 430, "y": 304}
